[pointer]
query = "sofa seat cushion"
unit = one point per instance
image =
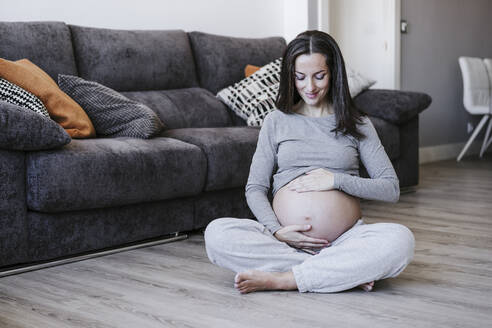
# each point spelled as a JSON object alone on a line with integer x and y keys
{"x": 127, "y": 60}
{"x": 99, "y": 173}
{"x": 229, "y": 152}
{"x": 389, "y": 134}
{"x": 185, "y": 108}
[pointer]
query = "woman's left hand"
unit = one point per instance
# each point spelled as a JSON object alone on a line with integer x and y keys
{"x": 315, "y": 180}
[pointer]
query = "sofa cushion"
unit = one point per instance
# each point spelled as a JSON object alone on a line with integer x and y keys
{"x": 134, "y": 60}
{"x": 15, "y": 95}
{"x": 389, "y": 134}
{"x": 220, "y": 60}
{"x": 112, "y": 114}
{"x": 48, "y": 44}
{"x": 23, "y": 129}
{"x": 99, "y": 173}
{"x": 61, "y": 107}
{"x": 228, "y": 150}
{"x": 253, "y": 97}
{"x": 185, "y": 108}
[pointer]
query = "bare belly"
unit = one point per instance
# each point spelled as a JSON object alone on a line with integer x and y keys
{"x": 330, "y": 213}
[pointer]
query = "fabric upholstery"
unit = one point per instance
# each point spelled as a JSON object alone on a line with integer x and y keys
{"x": 185, "y": 108}
{"x": 13, "y": 228}
{"x": 393, "y": 106}
{"x": 97, "y": 173}
{"x": 221, "y": 60}
{"x": 48, "y": 44}
{"x": 23, "y": 129}
{"x": 389, "y": 135}
{"x": 223, "y": 203}
{"x": 407, "y": 164}
{"x": 250, "y": 69}
{"x": 134, "y": 60}
{"x": 60, "y": 234}
{"x": 228, "y": 151}
{"x": 112, "y": 114}
{"x": 61, "y": 107}
{"x": 14, "y": 94}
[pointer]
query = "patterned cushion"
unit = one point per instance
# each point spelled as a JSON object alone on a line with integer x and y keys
{"x": 254, "y": 97}
{"x": 112, "y": 114}
{"x": 15, "y": 95}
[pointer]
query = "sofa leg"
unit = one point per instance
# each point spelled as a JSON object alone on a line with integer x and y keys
{"x": 169, "y": 238}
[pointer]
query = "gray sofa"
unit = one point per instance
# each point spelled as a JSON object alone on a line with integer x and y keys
{"x": 93, "y": 194}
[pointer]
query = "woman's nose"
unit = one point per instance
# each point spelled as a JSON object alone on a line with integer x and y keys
{"x": 310, "y": 85}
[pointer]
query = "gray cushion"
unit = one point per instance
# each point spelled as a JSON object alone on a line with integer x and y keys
{"x": 112, "y": 114}
{"x": 99, "y": 173}
{"x": 221, "y": 60}
{"x": 229, "y": 152}
{"x": 389, "y": 134}
{"x": 23, "y": 129}
{"x": 47, "y": 44}
{"x": 134, "y": 60}
{"x": 185, "y": 108}
{"x": 394, "y": 106}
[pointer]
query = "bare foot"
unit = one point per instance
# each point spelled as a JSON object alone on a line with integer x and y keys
{"x": 254, "y": 280}
{"x": 367, "y": 286}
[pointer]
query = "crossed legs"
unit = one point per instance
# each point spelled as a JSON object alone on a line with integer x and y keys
{"x": 363, "y": 254}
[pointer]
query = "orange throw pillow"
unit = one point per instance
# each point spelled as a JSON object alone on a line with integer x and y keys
{"x": 250, "y": 69}
{"x": 63, "y": 109}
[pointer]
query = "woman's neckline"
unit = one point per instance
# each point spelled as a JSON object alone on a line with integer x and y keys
{"x": 329, "y": 116}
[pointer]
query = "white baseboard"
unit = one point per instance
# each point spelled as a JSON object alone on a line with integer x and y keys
{"x": 448, "y": 151}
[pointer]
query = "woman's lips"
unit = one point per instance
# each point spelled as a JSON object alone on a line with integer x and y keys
{"x": 311, "y": 95}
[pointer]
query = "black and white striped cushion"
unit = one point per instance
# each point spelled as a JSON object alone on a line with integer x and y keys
{"x": 254, "y": 97}
{"x": 15, "y": 95}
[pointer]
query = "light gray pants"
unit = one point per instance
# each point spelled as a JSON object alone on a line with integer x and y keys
{"x": 364, "y": 253}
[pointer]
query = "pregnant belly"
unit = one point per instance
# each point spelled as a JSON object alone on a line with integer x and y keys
{"x": 330, "y": 213}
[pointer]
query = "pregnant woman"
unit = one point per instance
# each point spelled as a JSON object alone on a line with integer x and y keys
{"x": 312, "y": 237}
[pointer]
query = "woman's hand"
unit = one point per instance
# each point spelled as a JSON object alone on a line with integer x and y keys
{"x": 292, "y": 235}
{"x": 315, "y": 180}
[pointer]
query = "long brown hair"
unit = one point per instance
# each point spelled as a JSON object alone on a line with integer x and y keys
{"x": 347, "y": 116}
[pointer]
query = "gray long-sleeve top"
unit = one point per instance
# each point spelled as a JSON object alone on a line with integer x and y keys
{"x": 296, "y": 144}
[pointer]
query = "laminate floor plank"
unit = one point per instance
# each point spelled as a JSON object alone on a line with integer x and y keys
{"x": 448, "y": 284}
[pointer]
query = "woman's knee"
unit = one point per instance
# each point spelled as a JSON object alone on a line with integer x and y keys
{"x": 402, "y": 243}
{"x": 215, "y": 230}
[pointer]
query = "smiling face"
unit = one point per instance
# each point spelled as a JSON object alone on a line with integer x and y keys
{"x": 312, "y": 78}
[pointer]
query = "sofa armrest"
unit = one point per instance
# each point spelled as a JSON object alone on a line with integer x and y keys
{"x": 23, "y": 129}
{"x": 393, "y": 106}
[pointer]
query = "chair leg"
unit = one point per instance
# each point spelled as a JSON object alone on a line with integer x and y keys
{"x": 487, "y": 140}
{"x": 473, "y": 136}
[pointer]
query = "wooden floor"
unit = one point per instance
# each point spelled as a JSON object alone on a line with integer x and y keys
{"x": 449, "y": 283}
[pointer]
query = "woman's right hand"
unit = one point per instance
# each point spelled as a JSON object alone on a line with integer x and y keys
{"x": 293, "y": 235}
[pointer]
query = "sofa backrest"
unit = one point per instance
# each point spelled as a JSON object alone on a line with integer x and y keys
{"x": 185, "y": 108}
{"x": 134, "y": 60}
{"x": 220, "y": 60}
{"x": 46, "y": 44}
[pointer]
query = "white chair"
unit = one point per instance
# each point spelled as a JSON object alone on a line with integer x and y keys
{"x": 476, "y": 96}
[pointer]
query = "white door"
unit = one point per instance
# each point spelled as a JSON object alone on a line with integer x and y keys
{"x": 367, "y": 32}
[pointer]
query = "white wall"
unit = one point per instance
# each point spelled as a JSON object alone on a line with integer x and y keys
{"x": 241, "y": 18}
{"x": 366, "y": 32}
